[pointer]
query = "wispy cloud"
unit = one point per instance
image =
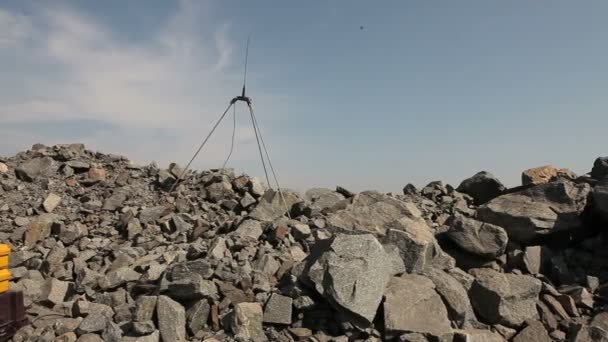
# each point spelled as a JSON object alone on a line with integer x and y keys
{"x": 154, "y": 98}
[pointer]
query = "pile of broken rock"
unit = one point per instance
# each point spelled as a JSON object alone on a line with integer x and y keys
{"x": 102, "y": 252}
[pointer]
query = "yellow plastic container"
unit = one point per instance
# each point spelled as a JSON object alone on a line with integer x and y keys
{"x": 5, "y": 276}
{"x": 5, "y": 250}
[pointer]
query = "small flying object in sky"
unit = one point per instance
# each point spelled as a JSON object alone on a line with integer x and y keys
{"x": 361, "y": 27}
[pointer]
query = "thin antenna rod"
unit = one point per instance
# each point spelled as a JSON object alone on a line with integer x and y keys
{"x": 246, "y": 60}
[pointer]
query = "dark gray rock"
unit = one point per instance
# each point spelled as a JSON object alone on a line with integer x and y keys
{"x": 321, "y": 199}
{"x": 115, "y": 201}
{"x": 150, "y": 215}
{"x": 154, "y": 337}
{"x": 454, "y": 295}
{"x": 600, "y": 196}
{"x": 600, "y": 168}
{"x": 541, "y": 210}
{"x": 90, "y": 338}
{"x": 483, "y": 187}
{"x": 35, "y": 168}
{"x": 278, "y": 309}
{"x": 171, "y": 319}
{"x": 118, "y": 277}
{"x": 351, "y": 274}
{"x": 478, "y": 238}
{"x": 412, "y": 305}
{"x": 506, "y": 299}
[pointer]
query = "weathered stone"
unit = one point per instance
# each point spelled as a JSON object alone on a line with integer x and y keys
{"x": 544, "y": 174}
{"x": 51, "y": 202}
{"x": 154, "y": 337}
{"x": 483, "y": 186}
{"x": 584, "y": 333}
{"x": 372, "y": 212}
{"x": 416, "y": 244}
{"x": 34, "y": 168}
{"x": 118, "y": 277}
{"x": 247, "y": 201}
{"x": 506, "y": 299}
{"x": 145, "y": 307}
{"x": 534, "y": 332}
{"x": 54, "y": 260}
{"x": 65, "y": 325}
{"x": 278, "y": 309}
{"x": 412, "y": 305}
{"x": 249, "y": 229}
{"x": 541, "y": 210}
{"x": 38, "y": 229}
{"x": 3, "y": 168}
{"x": 600, "y": 168}
{"x": 166, "y": 179}
{"x": 143, "y": 328}
{"x": 150, "y": 215}
{"x": 274, "y": 204}
{"x": 115, "y": 201}
{"x": 454, "y": 296}
{"x": 600, "y": 196}
{"x": 84, "y": 308}
{"x": 478, "y": 238}
{"x": 191, "y": 286}
{"x": 321, "y": 199}
{"x": 477, "y": 335}
{"x": 54, "y": 291}
{"x": 68, "y": 234}
{"x": 92, "y": 323}
{"x": 300, "y": 231}
{"x": 198, "y": 316}
{"x": 352, "y": 275}
{"x": 532, "y": 259}
{"x": 171, "y": 319}
{"x": 90, "y": 338}
{"x": 216, "y": 192}
{"x": 96, "y": 174}
{"x": 247, "y": 322}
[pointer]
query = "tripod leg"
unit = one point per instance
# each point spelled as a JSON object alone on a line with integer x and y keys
{"x": 200, "y": 147}
{"x": 257, "y": 138}
{"x": 274, "y": 175}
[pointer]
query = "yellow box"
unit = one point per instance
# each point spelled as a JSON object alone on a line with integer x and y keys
{"x": 5, "y": 250}
{"x": 5, "y": 276}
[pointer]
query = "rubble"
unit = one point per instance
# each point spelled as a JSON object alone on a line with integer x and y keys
{"x": 103, "y": 252}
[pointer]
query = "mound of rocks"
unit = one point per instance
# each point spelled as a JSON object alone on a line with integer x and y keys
{"x": 103, "y": 252}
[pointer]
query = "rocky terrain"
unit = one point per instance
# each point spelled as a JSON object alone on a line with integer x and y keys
{"x": 103, "y": 252}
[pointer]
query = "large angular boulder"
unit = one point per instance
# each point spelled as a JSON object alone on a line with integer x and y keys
{"x": 600, "y": 168}
{"x": 483, "y": 186}
{"x": 35, "y": 168}
{"x": 541, "y": 210}
{"x": 506, "y": 299}
{"x": 371, "y": 211}
{"x": 274, "y": 204}
{"x": 454, "y": 295}
{"x": 351, "y": 272}
{"x": 322, "y": 199}
{"x": 247, "y": 322}
{"x": 478, "y": 238}
{"x": 38, "y": 229}
{"x": 412, "y": 305}
{"x": 416, "y": 244}
{"x": 171, "y": 319}
{"x": 544, "y": 174}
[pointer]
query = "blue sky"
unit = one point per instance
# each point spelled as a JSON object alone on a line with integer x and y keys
{"x": 427, "y": 90}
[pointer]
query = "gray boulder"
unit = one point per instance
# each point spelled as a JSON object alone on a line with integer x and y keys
{"x": 483, "y": 187}
{"x": 371, "y": 211}
{"x": 600, "y": 196}
{"x": 454, "y": 296}
{"x": 417, "y": 246}
{"x": 506, "y": 299}
{"x": 351, "y": 273}
{"x": 541, "y": 210}
{"x": 171, "y": 319}
{"x": 274, "y": 204}
{"x": 34, "y": 168}
{"x": 412, "y": 305}
{"x": 534, "y": 332}
{"x": 478, "y": 238}
{"x": 322, "y": 199}
{"x": 278, "y": 309}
